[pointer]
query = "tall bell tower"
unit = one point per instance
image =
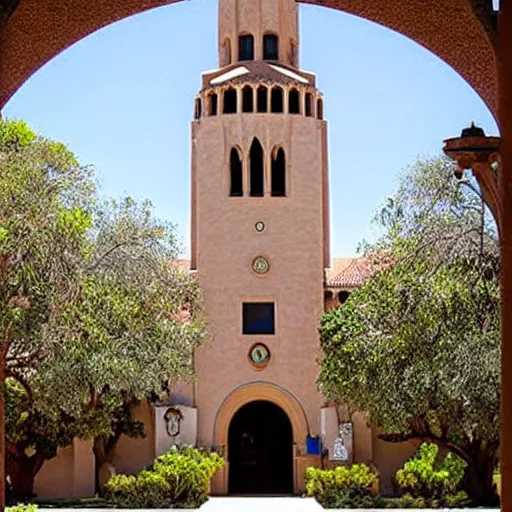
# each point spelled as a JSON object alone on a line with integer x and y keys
{"x": 260, "y": 238}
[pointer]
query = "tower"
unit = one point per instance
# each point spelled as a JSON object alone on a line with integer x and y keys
{"x": 259, "y": 244}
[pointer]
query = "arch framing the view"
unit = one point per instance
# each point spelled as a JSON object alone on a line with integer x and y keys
{"x": 460, "y": 37}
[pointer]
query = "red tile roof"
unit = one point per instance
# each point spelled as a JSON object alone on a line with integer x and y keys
{"x": 354, "y": 274}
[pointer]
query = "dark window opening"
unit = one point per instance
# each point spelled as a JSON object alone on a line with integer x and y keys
{"x": 270, "y": 47}
{"x": 235, "y": 165}
{"x": 294, "y": 102}
{"x": 197, "y": 112}
{"x": 247, "y": 99}
{"x": 320, "y": 109}
{"x": 262, "y": 98}
{"x": 256, "y": 166}
{"x": 279, "y": 174}
{"x": 276, "y": 100}
{"x": 230, "y": 101}
{"x": 258, "y": 318}
{"x": 246, "y": 47}
{"x": 213, "y": 104}
{"x": 309, "y": 104}
{"x": 343, "y": 296}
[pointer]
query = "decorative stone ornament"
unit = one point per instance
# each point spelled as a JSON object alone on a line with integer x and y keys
{"x": 259, "y": 356}
{"x": 260, "y": 265}
{"x": 173, "y": 417}
{"x": 259, "y": 226}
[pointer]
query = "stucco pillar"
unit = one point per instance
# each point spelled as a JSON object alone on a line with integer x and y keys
{"x": 505, "y": 121}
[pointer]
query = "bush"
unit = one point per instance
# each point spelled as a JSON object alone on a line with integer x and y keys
{"x": 342, "y": 487}
{"x": 22, "y": 508}
{"x": 425, "y": 477}
{"x": 178, "y": 478}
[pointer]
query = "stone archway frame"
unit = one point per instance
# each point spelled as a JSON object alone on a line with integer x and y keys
{"x": 249, "y": 393}
{"x": 260, "y": 391}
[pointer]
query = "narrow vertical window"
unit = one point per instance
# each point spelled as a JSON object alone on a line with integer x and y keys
{"x": 197, "y": 110}
{"x": 256, "y": 168}
{"x": 278, "y": 173}
{"x": 226, "y": 53}
{"x": 262, "y": 98}
{"x": 213, "y": 104}
{"x": 276, "y": 100}
{"x": 320, "y": 108}
{"x": 246, "y": 47}
{"x": 235, "y": 165}
{"x": 230, "y": 101}
{"x": 270, "y": 47}
{"x": 309, "y": 104}
{"x": 293, "y": 102}
{"x": 247, "y": 99}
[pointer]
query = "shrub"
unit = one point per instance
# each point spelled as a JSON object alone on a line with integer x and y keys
{"x": 342, "y": 487}
{"x": 178, "y": 478}
{"x": 426, "y": 477}
{"x": 31, "y": 507}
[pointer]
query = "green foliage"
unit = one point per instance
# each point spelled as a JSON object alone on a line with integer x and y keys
{"x": 425, "y": 475}
{"x": 342, "y": 487}
{"x": 31, "y": 507}
{"x": 179, "y": 478}
{"x": 418, "y": 345}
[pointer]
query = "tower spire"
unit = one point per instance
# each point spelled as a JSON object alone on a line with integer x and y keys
{"x": 258, "y": 30}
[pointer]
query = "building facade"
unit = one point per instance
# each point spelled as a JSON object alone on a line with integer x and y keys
{"x": 260, "y": 250}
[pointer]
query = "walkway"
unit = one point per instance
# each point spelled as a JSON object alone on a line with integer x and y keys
{"x": 236, "y": 504}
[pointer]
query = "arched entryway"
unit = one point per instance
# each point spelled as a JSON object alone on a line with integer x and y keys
{"x": 260, "y": 447}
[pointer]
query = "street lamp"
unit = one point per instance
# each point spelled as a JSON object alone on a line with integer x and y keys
{"x": 474, "y": 150}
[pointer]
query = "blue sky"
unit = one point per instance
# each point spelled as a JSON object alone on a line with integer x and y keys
{"x": 122, "y": 99}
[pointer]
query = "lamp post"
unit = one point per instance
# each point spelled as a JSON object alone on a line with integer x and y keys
{"x": 474, "y": 150}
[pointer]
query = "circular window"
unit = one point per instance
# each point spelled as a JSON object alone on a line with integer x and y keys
{"x": 260, "y": 265}
{"x": 259, "y": 356}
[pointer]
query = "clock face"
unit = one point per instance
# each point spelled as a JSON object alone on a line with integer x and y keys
{"x": 259, "y": 226}
{"x": 259, "y": 355}
{"x": 260, "y": 265}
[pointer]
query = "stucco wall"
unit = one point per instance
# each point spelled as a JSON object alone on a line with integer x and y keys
{"x": 226, "y": 243}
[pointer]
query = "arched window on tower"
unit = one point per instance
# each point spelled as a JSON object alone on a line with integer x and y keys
{"x": 319, "y": 108}
{"x": 278, "y": 173}
{"x": 256, "y": 169}
{"x": 343, "y": 296}
{"x": 247, "y": 99}
{"x": 212, "y": 103}
{"x": 197, "y": 110}
{"x": 235, "y": 166}
{"x": 270, "y": 47}
{"x": 293, "y": 102}
{"x": 276, "y": 100}
{"x": 262, "y": 99}
{"x": 226, "y": 53}
{"x": 229, "y": 101}
{"x": 309, "y": 104}
{"x": 246, "y": 47}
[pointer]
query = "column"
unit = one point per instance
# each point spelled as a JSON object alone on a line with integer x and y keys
{"x": 505, "y": 121}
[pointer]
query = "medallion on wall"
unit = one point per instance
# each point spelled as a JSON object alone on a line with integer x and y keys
{"x": 260, "y": 265}
{"x": 173, "y": 419}
{"x": 259, "y": 226}
{"x": 259, "y": 356}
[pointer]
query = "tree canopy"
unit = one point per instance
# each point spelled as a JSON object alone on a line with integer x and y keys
{"x": 418, "y": 345}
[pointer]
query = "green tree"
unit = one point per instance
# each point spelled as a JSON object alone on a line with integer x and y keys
{"x": 45, "y": 209}
{"x": 102, "y": 317}
{"x": 418, "y": 346}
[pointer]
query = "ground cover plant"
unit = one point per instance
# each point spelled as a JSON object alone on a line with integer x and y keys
{"x": 180, "y": 478}
{"x": 343, "y": 487}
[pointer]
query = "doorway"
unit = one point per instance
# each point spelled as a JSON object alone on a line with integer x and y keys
{"x": 260, "y": 448}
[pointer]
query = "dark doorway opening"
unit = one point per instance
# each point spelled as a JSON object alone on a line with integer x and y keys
{"x": 260, "y": 444}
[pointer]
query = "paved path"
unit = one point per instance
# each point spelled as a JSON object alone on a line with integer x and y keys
{"x": 236, "y": 504}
